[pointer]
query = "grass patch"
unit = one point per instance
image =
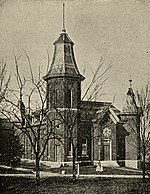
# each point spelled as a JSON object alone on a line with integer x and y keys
{"x": 65, "y": 185}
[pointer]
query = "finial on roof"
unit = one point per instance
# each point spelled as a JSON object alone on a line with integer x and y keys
{"x": 130, "y": 81}
{"x": 63, "y": 30}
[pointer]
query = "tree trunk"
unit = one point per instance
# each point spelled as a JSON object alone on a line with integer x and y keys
{"x": 37, "y": 170}
{"x": 138, "y": 136}
{"x": 143, "y": 164}
{"x": 74, "y": 165}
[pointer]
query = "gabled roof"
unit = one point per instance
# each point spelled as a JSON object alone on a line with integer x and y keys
{"x": 100, "y": 114}
{"x": 100, "y": 110}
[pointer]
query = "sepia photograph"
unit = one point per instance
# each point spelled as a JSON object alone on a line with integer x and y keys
{"x": 75, "y": 96}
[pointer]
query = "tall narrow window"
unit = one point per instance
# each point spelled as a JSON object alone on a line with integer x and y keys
{"x": 49, "y": 94}
{"x": 52, "y": 98}
{"x": 69, "y": 98}
{"x": 57, "y": 98}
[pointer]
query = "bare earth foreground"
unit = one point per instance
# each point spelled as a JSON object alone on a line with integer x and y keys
{"x": 56, "y": 185}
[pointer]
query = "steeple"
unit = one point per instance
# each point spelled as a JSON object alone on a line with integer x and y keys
{"x": 130, "y": 104}
{"x": 63, "y": 63}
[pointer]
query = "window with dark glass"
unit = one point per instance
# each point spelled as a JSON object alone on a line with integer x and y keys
{"x": 69, "y": 98}
{"x": 57, "y": 97}
{"x": 52, "y": 98}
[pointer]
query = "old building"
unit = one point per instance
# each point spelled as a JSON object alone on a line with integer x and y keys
{"x": 97, "y": 130}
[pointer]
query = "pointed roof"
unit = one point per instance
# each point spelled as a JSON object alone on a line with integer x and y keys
{"x": 130, "y": 104}
{"x": 63, "y": 63}
{"x": 130, "y": 92}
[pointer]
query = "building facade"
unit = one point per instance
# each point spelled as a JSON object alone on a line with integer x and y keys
{"x": 97, "y": 131}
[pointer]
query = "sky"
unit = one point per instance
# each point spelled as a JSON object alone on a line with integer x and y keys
{"x": 117, "y": 31}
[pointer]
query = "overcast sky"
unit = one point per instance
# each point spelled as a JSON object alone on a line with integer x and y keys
{"x": 118, "y": 31}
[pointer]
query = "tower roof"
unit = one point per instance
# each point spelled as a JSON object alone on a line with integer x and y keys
{"x": 63, "y": 63}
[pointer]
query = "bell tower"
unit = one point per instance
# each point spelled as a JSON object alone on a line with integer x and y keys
{"x": 63, "y": 78}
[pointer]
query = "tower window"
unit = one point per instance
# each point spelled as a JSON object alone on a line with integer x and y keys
{"x": 52, "y": 98}
{"x": 69, "y": 98}
{"x": 57, "y": 97}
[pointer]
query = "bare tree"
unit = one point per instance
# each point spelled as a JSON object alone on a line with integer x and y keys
{"x": 28, "y": 103}
{"x": 4, "y": 80}
{"x": 30, "y": 118}
{"x": 144, "y": 102}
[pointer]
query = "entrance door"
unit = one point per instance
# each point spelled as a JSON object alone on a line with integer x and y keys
{"x": 106, "y": 150}
{"x": 58, "y": 153}
{"x": 84, "y": 147}
{"x": 121, "y": 151}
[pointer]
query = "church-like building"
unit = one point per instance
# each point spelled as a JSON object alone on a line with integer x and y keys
{"x": 97, "y": 130}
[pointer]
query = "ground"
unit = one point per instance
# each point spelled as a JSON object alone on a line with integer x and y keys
{"x": 110, "y": 181}
{"x": 65, "y": 185}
